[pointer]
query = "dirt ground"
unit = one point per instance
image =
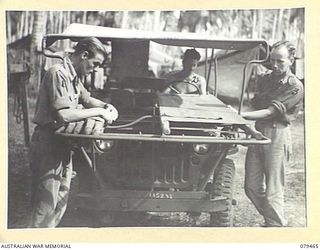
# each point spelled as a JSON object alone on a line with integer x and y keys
{"x": 18, "y": 195}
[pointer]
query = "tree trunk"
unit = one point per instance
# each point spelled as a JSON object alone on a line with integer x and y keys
{"x": 9, "y": 32}
{"x": 274, "y": 27}
{"x": 84, "y": 17}
{"x": 124, "y": 20}
{"x": 289, "y": 33}
{"x": 20, "y": 33}
{"x": 157, "y": 17}
{"x": 148, "y": 23}
{"x": 60, "y": 29}
{"x": 31, "y": 23}
{"x": 26, "y": 24}
{"x": 279, "y": 29}
{"x": 68, "y": 18}
{"x": 254, "y": 24}
{"x": 260, "y": 22}
{"x": 38, "y": 31}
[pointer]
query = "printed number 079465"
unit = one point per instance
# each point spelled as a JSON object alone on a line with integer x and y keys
{"x": 309, "y": 246}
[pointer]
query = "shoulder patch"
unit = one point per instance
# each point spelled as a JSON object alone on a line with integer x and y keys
{"x": 292, "y": 80}
{"x": 295, "y": 91}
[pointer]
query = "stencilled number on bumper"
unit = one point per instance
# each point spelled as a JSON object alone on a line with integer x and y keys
{"x": 160, "y": 196}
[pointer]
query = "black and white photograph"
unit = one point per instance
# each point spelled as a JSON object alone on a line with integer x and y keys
{"x": 151, "y": 118}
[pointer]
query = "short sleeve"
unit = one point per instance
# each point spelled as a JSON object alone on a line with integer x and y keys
{"x": 289, "y": 98}
{"x": 56, "y": 85}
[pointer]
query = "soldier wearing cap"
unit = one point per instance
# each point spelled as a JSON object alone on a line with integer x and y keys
{"x": 61, "y": 91}
{"x": 277, "y": 103}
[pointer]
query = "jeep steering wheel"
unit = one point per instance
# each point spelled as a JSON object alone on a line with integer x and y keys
{"x": 173, "y": 86}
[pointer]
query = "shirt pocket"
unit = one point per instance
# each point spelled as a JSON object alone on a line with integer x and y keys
{"x": 74, "y": 99}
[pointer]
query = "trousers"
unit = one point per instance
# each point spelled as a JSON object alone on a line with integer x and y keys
{"x": 51, "y": 168}
{"x": 265, "y": 172}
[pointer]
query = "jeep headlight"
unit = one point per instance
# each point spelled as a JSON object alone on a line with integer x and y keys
{"x": 104, "y": 145}
{"x": 201, "y": 148}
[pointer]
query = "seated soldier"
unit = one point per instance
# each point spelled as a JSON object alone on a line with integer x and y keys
{"x": 185, "y": 81}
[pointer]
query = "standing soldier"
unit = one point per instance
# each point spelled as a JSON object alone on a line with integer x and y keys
{"x": 277, "y": 102}
{"x": 60, "y": 94}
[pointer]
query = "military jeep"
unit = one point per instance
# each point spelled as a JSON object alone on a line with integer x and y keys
{"x": 166, "y": 152}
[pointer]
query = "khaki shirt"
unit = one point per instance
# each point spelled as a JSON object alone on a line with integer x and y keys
{"x": 60, "y": 89}
{"x": 285, "y": 94}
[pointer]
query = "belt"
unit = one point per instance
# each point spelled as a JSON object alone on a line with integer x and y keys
{"x": 45, "y": 127}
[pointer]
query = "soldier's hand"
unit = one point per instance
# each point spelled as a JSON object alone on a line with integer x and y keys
{"x": 113, "y": 110}
{"x": 94, "y": 126}
{"x": 109, "y": 114}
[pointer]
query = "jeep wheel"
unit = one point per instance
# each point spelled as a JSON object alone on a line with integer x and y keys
{"x": 223, "y": 186}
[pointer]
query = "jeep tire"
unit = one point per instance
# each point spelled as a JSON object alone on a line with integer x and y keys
{"x": 223, "y": 186}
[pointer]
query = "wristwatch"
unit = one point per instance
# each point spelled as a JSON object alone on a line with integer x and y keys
{"x": 106, "y": 106}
